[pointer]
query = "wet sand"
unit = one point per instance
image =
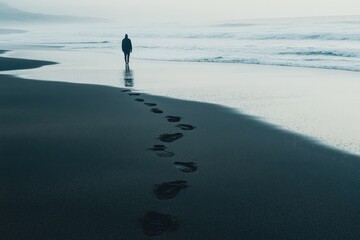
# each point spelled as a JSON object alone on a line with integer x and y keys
{"x": 317, "y": 103}
{"x": 93, "y": 162}
{"x": 16, "y": 63}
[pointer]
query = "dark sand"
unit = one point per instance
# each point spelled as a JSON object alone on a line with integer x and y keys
{"x": 15, "y": 63}
{"x": 74, "y": 165}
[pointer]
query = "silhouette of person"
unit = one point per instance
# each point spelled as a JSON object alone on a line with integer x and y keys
{"x": 126, "y": 48}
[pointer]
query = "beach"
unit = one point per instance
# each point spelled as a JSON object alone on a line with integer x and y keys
{"x": 317, "y": 103}
{"x": 82, "y": 161}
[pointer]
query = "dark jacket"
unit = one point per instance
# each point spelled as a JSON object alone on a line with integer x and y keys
{"x": 126, "y": 45}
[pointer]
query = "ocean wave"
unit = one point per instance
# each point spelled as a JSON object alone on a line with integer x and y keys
{"x": 87, "y": 47}
{"x": 149, "y": 47}
{"x": 79, "y": 42}
{"x": 11, "y": 31}
{"x": 234, "y": 25}
{"x": 321, "y": 53}
{"x": 310, "y": 36}
{"x": 305, "y": 63}
{"x": 257, "y": 36}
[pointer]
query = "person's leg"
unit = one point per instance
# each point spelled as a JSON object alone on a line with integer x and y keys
{"x": 127, "y": 58}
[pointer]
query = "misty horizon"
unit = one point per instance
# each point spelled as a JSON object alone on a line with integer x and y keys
{"x": 114, "y": 11}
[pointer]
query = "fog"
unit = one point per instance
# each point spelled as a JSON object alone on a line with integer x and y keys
{"x": 189, "y": 11}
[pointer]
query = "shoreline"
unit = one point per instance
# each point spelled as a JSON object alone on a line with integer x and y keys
{"x": 10, "y": 64}
{"x": 297, "y": 100}
{"x": 75, "y": 165}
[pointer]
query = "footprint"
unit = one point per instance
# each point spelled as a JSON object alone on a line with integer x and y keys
{"x": 158, "y": 147}
{"x": 186, "y": 167}
{"x": 185, "y": 127}
{"x": 155, "y": 224}
{"x": 134, "y": 94}
{"x": 156, "y": 110}
{"x": 139, "y": 100}
{"x": 126, "y": 90}
{"x": 164, "y": 154}
{"x": 170, "y": 137}
{"x": 150, "y": 104}
{"x": 160, "y": 151}
{"x": 169, "y": 190}
{"x": 173, "y": 118}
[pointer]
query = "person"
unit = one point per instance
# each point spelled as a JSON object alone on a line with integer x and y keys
{"x": 126, "y": 48}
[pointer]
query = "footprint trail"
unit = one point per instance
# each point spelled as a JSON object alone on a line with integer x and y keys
{"x": 150, "y": 104}
{"x": 155, "y": 224}
{"x": 173, "y": 118}
{"x": 156, "y": 110}
{"x": 169, "y": 190}
{"x": 185, "y": 127}
{"x": 170, "y": 137}
{"x": 160, "y": 150}
{"x": 186, "y": 167}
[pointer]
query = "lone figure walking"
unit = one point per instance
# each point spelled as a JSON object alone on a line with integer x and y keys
{"x": 126, "y": 48}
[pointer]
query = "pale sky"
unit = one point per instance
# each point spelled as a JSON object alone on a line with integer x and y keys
{"x": 189, "y": 11}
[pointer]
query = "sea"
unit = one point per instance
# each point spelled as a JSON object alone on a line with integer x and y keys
{"x": 313, "y": 42}
{"x": 299, "y": 74}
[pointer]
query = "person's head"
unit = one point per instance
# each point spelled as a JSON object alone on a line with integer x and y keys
{"x": 126, "y": 36}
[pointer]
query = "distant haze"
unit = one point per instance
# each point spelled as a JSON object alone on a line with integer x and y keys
{"x": 10, "y": 15}
{"x": 189, "y": 11}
